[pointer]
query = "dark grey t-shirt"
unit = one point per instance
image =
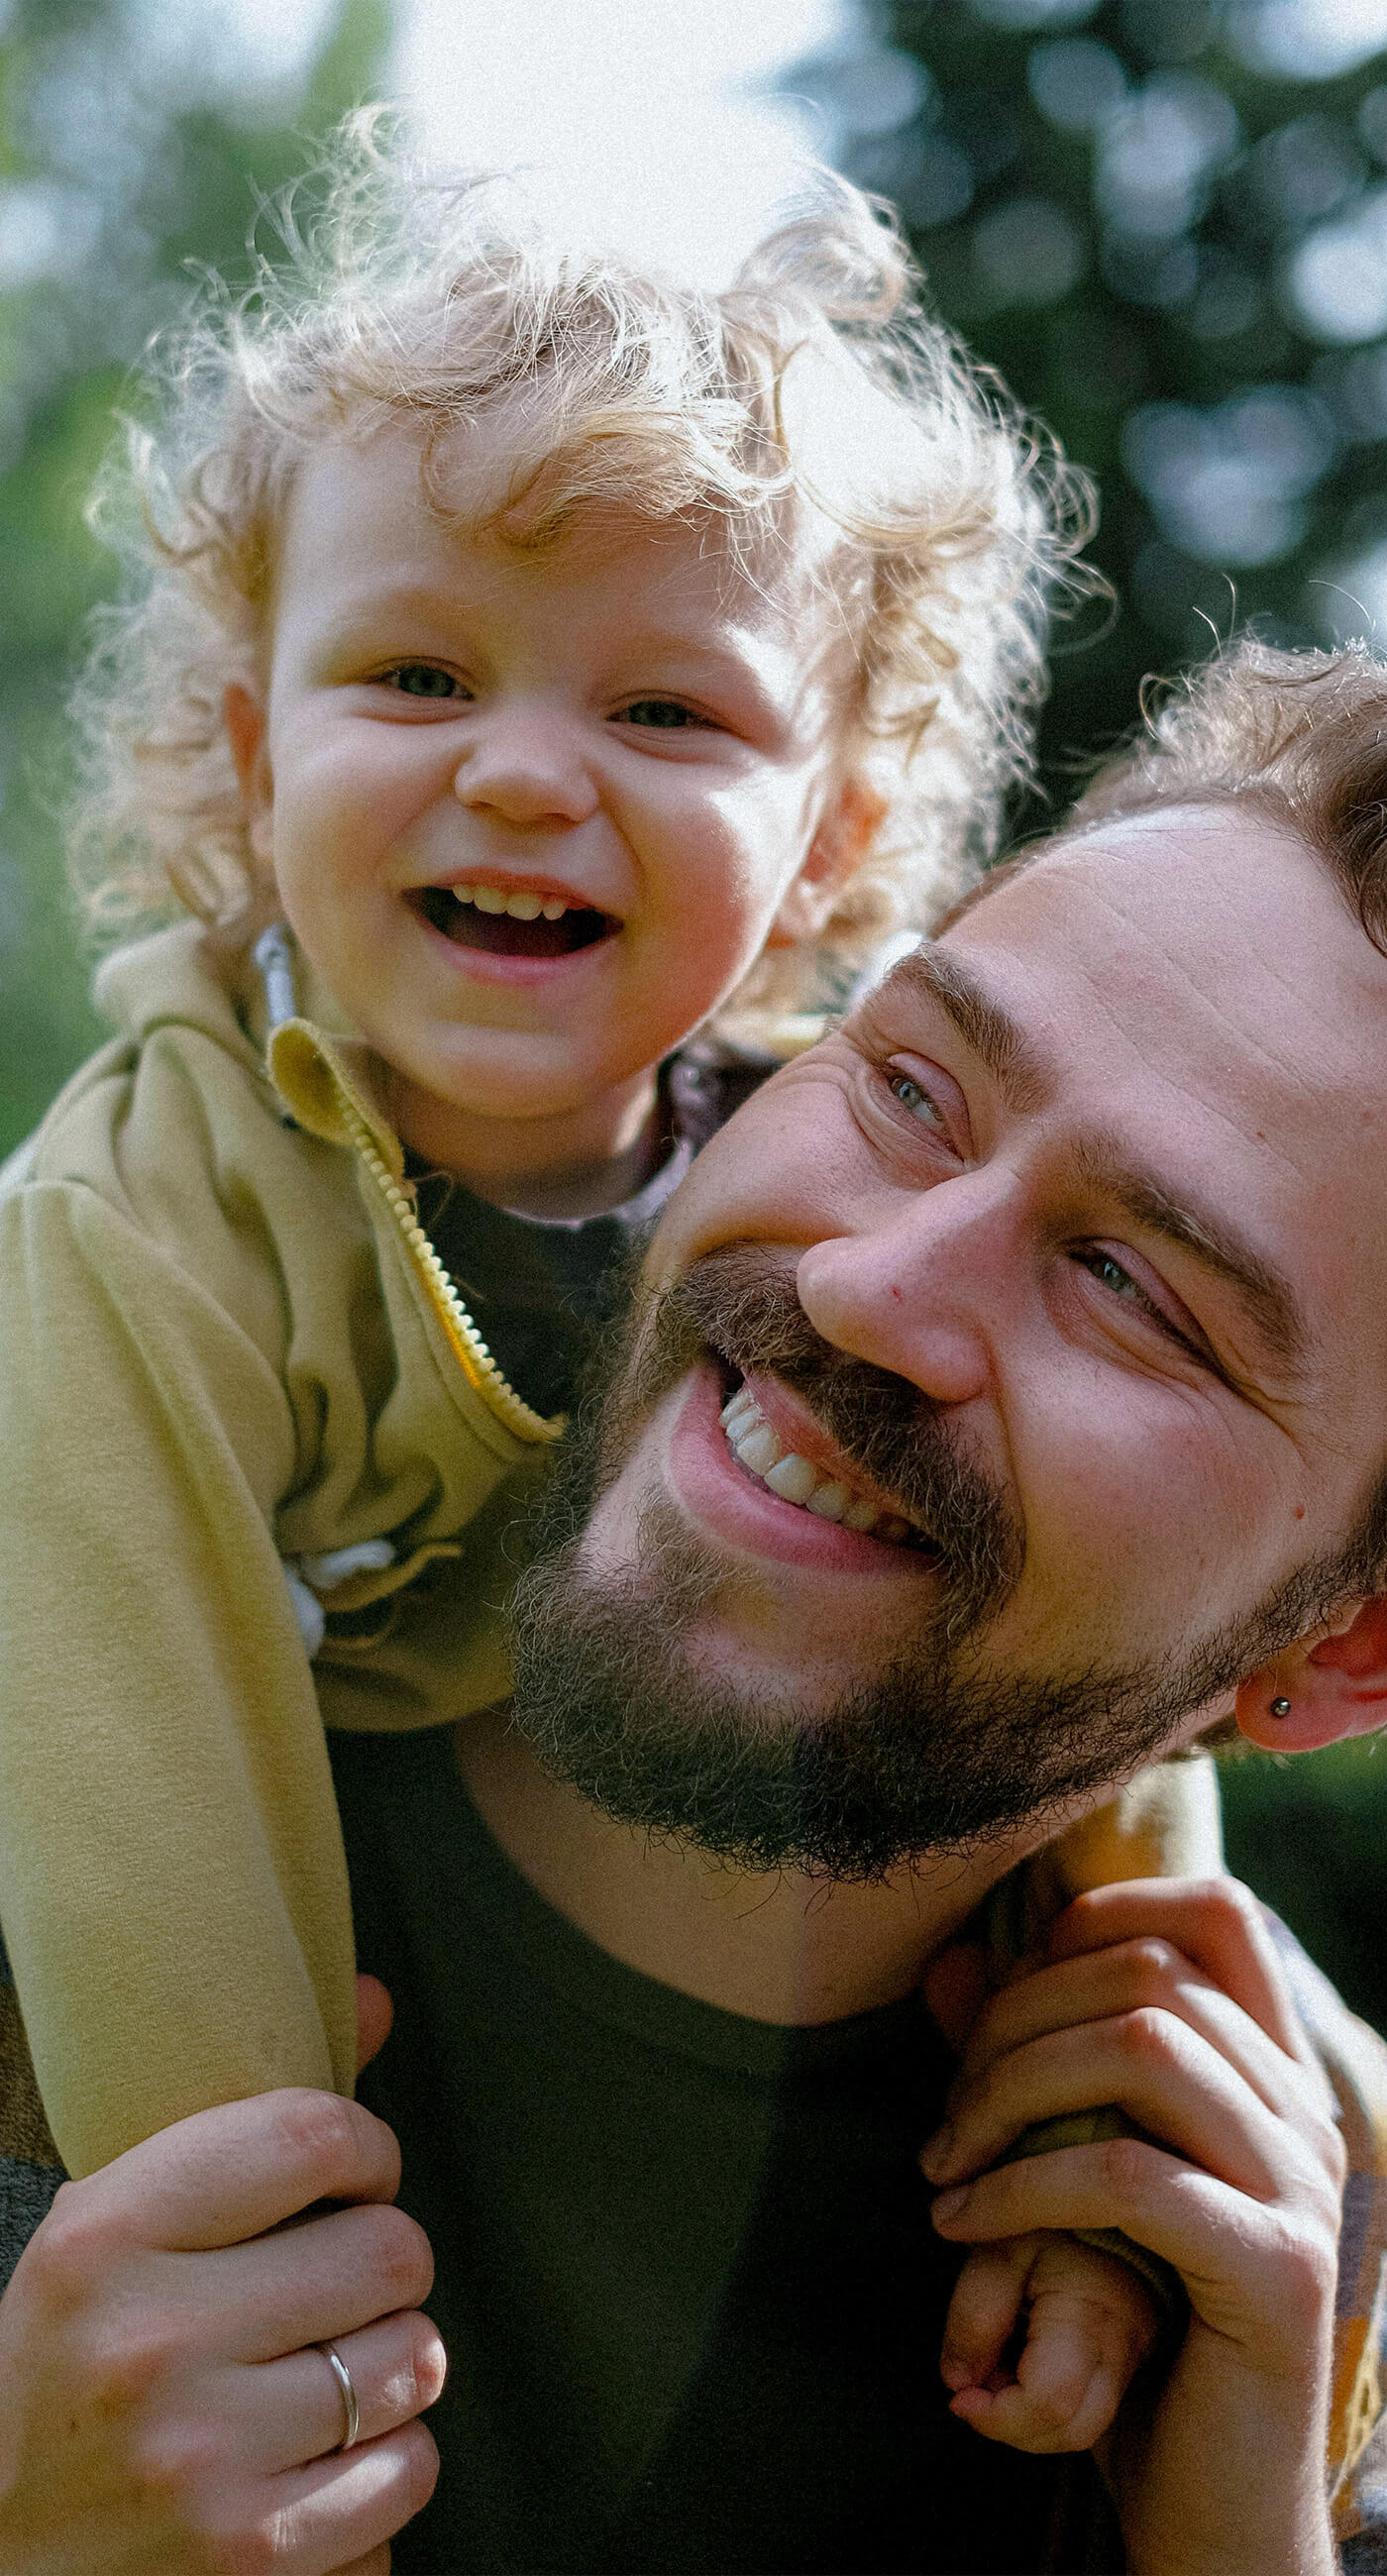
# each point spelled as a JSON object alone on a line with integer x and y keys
{"x": 685, "y": 2270}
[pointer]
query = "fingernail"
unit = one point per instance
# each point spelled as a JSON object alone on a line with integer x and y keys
{"x": 949, "y": 2204}
{"x": 936, "y": 2153}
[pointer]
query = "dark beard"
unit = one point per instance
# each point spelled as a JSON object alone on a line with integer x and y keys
{"x": 931, "y": 1753}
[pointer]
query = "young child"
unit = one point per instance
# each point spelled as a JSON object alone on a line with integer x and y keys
{"x": 530, "y": 660}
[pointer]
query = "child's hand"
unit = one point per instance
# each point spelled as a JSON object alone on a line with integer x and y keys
{"x": 1089, "y": 2322}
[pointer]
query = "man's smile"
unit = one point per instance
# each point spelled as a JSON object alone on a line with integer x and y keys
{"x": 803, "y": 1466}
{"x": 734, "y": 1503}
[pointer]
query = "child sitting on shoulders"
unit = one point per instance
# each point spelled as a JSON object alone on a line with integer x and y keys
{"x": 531, "y": 662}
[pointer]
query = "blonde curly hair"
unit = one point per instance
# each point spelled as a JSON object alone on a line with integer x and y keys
{"x": 816, "y": 379}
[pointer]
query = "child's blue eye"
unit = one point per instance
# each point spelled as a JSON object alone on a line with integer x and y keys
{"x": 663, "y": 715}
{"x": 421, "y": 680}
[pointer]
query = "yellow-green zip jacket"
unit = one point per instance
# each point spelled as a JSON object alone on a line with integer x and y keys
{"x": 224, "y": 1341}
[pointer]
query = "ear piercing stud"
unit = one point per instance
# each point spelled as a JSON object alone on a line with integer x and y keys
{"x": 1281, "y": 1708}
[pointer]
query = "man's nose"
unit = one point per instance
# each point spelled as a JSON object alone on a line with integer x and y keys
{"x": 527, "y": 768}
{"x": 930, "y": 1292}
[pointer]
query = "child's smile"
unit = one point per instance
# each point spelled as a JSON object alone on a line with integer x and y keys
{"x": 532, "y": 816}
{"x": 527, "y": 921}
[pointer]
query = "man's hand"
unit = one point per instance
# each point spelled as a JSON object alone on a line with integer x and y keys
{"x": 162, "y": 2405}
{"x": 1165, "y": 1997}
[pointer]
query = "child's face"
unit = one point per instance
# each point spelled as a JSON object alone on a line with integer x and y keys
{"x": 627, "y": 754}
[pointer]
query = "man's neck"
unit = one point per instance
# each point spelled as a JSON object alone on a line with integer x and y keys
{"x": 779, "y": 1947}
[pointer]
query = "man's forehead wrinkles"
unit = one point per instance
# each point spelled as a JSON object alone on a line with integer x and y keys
{"x": 1302, "y": 1055}
{"x": 1016, "y": 1064}
{"x": 1104, "y": 1163}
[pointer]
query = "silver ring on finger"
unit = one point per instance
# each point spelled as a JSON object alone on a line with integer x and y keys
{"x": 343, "y": 2377}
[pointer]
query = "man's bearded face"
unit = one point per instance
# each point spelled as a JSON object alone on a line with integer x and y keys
{"x": 939, "y": 1744}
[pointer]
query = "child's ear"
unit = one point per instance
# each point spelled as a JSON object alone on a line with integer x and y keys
{"x": 1330, "y": 1684}
{"x": 836, "y": 853}
{"x": 244, "y": 718}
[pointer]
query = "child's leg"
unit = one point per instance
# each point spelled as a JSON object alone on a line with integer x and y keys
{"x": 1088, "y": 2322}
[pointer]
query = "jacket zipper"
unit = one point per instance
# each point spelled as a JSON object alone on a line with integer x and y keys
{"x": 477, "y": 1364}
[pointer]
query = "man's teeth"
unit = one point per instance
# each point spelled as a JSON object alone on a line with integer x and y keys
{"x": 798, "y": 1480}
{"x": 521, "y": 907}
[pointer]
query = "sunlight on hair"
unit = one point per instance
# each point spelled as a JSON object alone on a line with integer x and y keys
{"x": 819, "y": 378}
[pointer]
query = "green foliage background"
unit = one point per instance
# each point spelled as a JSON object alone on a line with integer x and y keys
{"x": 114, "y": 192}
{"x": 1122, "y": 205}
{"x": 113, "y": 179}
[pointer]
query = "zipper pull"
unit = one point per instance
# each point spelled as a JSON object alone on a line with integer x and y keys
{"x": 273, "y": 958}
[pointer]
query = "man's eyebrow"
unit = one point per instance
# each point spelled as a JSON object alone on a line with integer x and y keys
{"x": 1264, "y": 1292}
{"x": 1015, "y": 1063}
{"x": 940, "y": 975}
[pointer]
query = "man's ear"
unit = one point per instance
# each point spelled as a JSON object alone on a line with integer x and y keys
{"x": 836, "y": 853}
{"x": 1335, "y": 1681}
{"x": 244, "y": 718}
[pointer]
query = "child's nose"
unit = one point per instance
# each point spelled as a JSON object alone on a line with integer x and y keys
{"x": 526, "y": 771}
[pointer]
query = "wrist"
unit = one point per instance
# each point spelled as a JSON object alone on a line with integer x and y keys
{"x": 1231, "y": 2484}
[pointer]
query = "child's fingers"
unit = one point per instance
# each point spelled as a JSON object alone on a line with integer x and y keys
{"x": 983, "y": 2310}
{"x": 1070, "y": 2276}
{"x": 1090, "y": 2324}
{"x": 1064, "y": 2398}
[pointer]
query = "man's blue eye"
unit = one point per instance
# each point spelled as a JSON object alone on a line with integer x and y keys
{"x": 913, "y": 1096}
{"x": 421, "y": 680}
{"x": 1110, "y": 1274}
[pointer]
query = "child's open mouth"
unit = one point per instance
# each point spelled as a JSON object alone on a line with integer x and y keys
{"x": 517, "y": 924}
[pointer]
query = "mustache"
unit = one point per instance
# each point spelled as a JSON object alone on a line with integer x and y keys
{"x": 745, "y": 1307}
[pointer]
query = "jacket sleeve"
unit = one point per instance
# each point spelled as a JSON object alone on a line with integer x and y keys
{"x": 173, "y": 1892}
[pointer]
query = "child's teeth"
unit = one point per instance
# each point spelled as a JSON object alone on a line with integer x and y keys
{"x": 792, "y": 1477}
{"x": 523, "y": 907}
{"x": 487, "y": 899}
{"x": 553, "y": 907}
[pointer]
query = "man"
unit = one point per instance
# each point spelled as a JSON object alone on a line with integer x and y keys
{"x": 1063, "y": 1260}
